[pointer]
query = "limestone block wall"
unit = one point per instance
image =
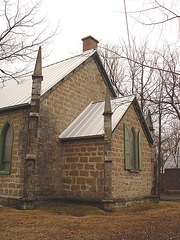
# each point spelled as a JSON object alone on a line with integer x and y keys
{"x": 12, "y": 184}
{"x": 59, "y": 107}
{"x": 83, "y": 170}
{"x": 128, "y": 185}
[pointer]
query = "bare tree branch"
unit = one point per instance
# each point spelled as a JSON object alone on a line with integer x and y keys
{"x": 166, "y": 12}
{"x": 137, "y": 62}
{"x": 21, "y": 33}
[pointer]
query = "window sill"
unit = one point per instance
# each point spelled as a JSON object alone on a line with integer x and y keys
{"x": 4, "y": 172}
{"x": 134, "y": 170}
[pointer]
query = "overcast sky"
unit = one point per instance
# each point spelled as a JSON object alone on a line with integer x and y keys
{"x": 103, "y": 19}
{"x": 80, "y": 18}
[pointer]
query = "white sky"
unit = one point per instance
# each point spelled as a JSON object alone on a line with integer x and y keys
{"x": 79, "y": 19}
{"x": 103, "y": 19}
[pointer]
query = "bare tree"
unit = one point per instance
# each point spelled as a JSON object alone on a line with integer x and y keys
{"x": 171, "y": 145}
{"x": 158, "y": 12}
{"x": 22, "y": 30}
{"x": 155, "y": 76}
{"x": 160, "y": 15}
{"x": 128, "y": 69}
{"x": 138, "y": 71}
{"x": 114, "y": 68}
{"x": 169, "y": 60}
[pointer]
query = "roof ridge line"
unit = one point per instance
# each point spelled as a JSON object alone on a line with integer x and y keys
{"x": 82, "y": 54}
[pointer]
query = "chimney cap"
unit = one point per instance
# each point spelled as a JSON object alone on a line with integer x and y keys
{"x": 90, "y": 37}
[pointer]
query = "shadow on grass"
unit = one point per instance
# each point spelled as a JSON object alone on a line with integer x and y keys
{"x": 78, "y": 209}
{"x": 81, "y": 209}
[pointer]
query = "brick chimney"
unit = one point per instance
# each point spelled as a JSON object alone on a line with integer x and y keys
{"x": 89, "y": 43}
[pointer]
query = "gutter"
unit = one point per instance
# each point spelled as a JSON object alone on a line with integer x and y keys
{"x": 15, "y": 107}
{"x": 82, "y": 138}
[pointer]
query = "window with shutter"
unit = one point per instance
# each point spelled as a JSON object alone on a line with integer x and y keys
{"x": 6, "y": 140}
{"x": 140, "y": 149}
{"x": 127, "y": 148}
{"x": 132, "y": 149}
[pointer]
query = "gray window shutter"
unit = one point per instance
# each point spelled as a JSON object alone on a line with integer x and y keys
{"x": 133, "y": 149}
{"x": 127, "y": 148}
{"x": 140, "y": 149}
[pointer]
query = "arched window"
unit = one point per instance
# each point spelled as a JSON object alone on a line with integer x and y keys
{"x": 6, "y": 141}
{"x": 132, "y": 149}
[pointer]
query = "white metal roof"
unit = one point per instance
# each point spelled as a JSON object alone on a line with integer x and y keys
{"x": 90, "y": 122}
{"x": 16, "y": 94}
{"x": 172, "y": 162}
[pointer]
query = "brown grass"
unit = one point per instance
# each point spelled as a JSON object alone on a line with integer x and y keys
{"x": 79, "y": 221}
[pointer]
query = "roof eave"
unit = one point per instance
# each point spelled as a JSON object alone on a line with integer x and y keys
{"x": 142, "y": 121}
{"x": 15, "y": 107}
{"x": 82, "y": 138}
{"x": 122, "y": 116}
{"x": 103, "y": 71}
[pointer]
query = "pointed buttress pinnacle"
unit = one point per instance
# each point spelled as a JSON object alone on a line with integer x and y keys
{"x": 38, "y": 66}
{"x": 107, "y": 105}
{"x": 149, "y": 121}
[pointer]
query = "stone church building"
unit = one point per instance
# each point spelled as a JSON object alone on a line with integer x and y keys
{"x": 65, "y": 135}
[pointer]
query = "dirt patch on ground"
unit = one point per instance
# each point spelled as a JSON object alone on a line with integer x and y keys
{"x": 77, "y": 221}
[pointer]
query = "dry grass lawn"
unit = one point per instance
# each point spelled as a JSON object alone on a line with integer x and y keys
{"x": 62, "y": 220}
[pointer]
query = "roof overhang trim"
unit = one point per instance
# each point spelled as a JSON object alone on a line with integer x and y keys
{"x": 82, "y": 138}
{"x": 142, "y": 121}
{"x": 16, "y": 107}
{"x": 103, "y": 71}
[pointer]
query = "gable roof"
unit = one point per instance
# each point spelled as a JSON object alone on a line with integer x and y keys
{"x": 19, "y": 94}
{"x": 90, "y": 123}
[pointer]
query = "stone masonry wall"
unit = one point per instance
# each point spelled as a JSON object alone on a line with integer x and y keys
{"x": 83, "y": 170}
{"x": 128, "y": 185}
{"x": 12, "y": 184}
{"x": 58, "y": 109}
